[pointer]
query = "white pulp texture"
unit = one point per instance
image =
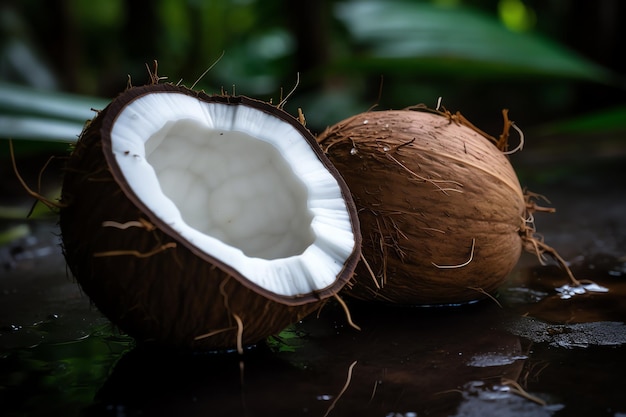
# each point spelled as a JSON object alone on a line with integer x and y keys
{"x": 239, "y": 184}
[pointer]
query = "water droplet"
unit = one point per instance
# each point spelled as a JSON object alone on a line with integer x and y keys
{"x": 386, "y": 125}
{"x": 365, "y": 122}
{"x": 476, "y": 384}
{"x": 14, "y": 327}
{"x": 386, "y": 148}
{"x": 595, "y": 288}
{"x": 324, "y": 397}
{"x": 353, "y": 151}
{"x": 568, "y": 291}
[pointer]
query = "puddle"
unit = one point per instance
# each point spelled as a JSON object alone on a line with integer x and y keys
{"x": 404, "y": 362}
{"x": 568, "y": 291}
{"x": 480, "y": 399}
{"x": 488, "y": 359}
{"x": 580, "y": 335}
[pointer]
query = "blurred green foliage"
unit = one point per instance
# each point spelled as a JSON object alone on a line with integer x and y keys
{"x": 349, "y": 55}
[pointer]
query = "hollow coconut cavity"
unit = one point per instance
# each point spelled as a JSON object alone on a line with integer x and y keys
{"x": 443, "y": 216}
{"x": 204, "y": 221}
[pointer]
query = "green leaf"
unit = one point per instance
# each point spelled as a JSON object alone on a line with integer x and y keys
{"x": 38, "y": 128}
{"x": 611, "y": 120}
{"x": 455, "y": 41}
{"x": 44, "y": 116}
{"x": 29, "y": 101}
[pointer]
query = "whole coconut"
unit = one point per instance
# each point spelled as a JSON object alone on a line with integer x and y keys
{"x": 442, "y": 213}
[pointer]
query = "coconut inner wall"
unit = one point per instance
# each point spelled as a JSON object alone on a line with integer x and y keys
{"x": 233, "y": 187}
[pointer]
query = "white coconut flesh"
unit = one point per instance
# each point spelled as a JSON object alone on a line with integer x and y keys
{"x": 240, "y": 185}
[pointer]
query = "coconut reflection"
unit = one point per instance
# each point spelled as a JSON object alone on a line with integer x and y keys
{"x": 403, "y": 361}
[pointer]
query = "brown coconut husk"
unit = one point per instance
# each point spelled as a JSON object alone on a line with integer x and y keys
{"x": 443, "y": 216}
{"x": 148, "y": 282}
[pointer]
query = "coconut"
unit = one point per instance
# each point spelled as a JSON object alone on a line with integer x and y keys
{"x": 443, "y": 216}
{"x": 204, "y": 221}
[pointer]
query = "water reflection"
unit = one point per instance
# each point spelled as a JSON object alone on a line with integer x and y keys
{"x": 480, "y": 399}
{"x": 566, "y": 355}
{"x": 474, "y": 360}
{"x": 533, "y": 292}
{"x": 403, "y": 361}
{"x": 56, "y": 379}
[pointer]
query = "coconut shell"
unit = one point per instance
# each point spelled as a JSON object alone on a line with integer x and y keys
{"x": 440, "y": 206}
{"x": 151, "y": 284}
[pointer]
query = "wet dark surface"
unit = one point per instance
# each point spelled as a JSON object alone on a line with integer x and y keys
{"x": 531, "y": 353}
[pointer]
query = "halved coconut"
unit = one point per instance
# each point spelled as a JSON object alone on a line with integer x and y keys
{"x": 204, "y": 221}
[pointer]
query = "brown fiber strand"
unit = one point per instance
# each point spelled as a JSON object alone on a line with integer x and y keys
{"x": 283, "y": 101}
{"x": 459, "y": 119}
{"x": 39, "y": 197}
{"x": 142, "y": 223}
{"x": 347, "y": 311}
{"x": 239, "y": 333}
{"x": 241, "y": 380}
{"x": 517, "y": 389}
{"x": 154, "y": 76}
{"x": 534, "y": 243}
{"x": 345, "y": 387}
{"x": 541, "y": 248}
{"x": 479, "y": 166}
{"x": 374, "y": 391}
{"x": 369, "y": 269}
{"x": 433, "y": 182}
{"x": 501, "y": 142}
{"x": 41, "y": 171}
{"x": 520, "y": 146}
{"x": 301, "y": 117}
{"x": 213, "y": 333}
{"x": 383, "y": 252}
{"x": 208, "y": 69}
{"x": 224, "y": 294}
{"x": 486, "y": 294}
{"x": 471, "y": 257}
{"x": 135, "y": 252}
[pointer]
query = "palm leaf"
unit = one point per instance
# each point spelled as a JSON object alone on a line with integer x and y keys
{"x": 401, "y": 35}
{"x": 28, "y": 113}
